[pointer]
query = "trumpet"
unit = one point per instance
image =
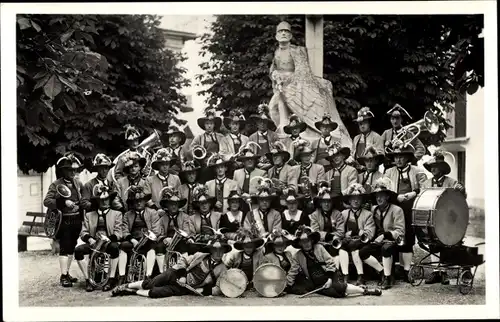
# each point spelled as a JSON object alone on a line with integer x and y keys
{"x": 363, "y": 238}
{"x": 336, "y": 243}
{"x": 199, "y": 152}
{"x": 400, "y": 241}
{"x": 430, "y": 122}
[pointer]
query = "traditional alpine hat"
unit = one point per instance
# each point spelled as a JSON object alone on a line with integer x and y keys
{"x": 217, "y": 159}
{"x": 187, "y": 167}
{"x": 383, "y": 184}
{"x": 131, "y": 133}
{"x": 247, "y": 236}
{"x": 398, "y": 148}
{"x": 210, "y": 116}
{"x": 325, "y": 193}
{"x": 235, "y": 196}
{"x": 302, "y": 147}
{"x": 354, "y": 189}
{"x": 169, "y": 195}
{"x": 69, "y": 160}
{"x": 175, "y": 130}
{"x": 278, "y": 148}
{"x": 336, "y": 148}
{"x": 372, "y": 153}
{"x": 294, "y": 122}
{"x": 263, "y": 114}
{"x": 132, "y": 157}
{"x": 246, "y": 152}
{"x": 326, "y": 121}
{"x": 398, "y": 111}
{"x": 102, "y": 191}
{"x": 135, "y": 193}
{"x": 217, "y": 242}
{"x": 437, "y": 160}
{"x": 284, "y": 26}
{"x": 200, "y": 195}
{"x": 101, "y": 160}
{"x": 364, "y": 114}
{"x": 163, "y": 155}
{"x": 235, "y": 115}
{"x": 305, "y": 232}
{"x": 290, "y": 196}
{"x": 280, "y": 236}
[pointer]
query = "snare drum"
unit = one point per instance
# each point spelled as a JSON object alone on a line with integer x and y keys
{"x": 269, "y": 280}
{"x": 440, "y": 215}
{"x": 233, "y": 282}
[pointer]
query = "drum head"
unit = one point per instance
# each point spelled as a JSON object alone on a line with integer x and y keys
{"x": 451, "y": 217}
{"x": 233, "y": 282}
{"x": 269, "y": 280}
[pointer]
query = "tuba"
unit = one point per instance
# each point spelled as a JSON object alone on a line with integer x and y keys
{"x": 172, "y": 255}
{"x": 199, "y": 152}
{"x": 430, "y": 122}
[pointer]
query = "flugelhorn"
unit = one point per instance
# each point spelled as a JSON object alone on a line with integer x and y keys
{"x": 430, "y": 122}
{"x": 199, "y": 152}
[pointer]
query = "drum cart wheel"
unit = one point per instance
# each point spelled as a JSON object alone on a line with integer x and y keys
{"x": 466, "y": 280}
{"x": 416, "y": 275}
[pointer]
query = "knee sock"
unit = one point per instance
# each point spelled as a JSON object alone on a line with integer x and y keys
{"x": 387, "y": 265}
{"x": 113, "y": 264}
{"x": 357, "y": 262}
{"x": 63, "y": 264}
{"x": 150, "y": 262}
{"x": 144, "y": 293}
{"x": 135, "y": 285}
{"x": 407, "y": 257}
{"x": 70, "y": 260}
{"x": 83, "y": 267}
{"x": 373, "y": 262}
{"x": 160, "y": 259}
{"x": 354, "y": 290}
{"x": 344, "y": 261}
{"x": 122, "y": 263}
{"x": 336, "y": 262}
{"x": 435, "y": 259}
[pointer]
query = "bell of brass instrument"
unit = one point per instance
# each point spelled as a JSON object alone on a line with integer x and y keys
{"x": 63, "y": 191}
{"x": 364, "y": 238}
{"x": 152, "y": 141}
{"x": 199, "y": 152}
{"x": 400, "y": 241}
{"x": 430, "y": 122}
{"x": 172, "y": 254}
{"x": 336, "y": 243}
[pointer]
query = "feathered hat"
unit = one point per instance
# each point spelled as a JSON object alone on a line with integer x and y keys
{"x": 246, "y": 152}
{"x": 235, "y": 115}
{"x": 131, "y": 132}
{"x": 371, "y": 153}
{"x": 102, "y": 191}
{"x": 364, "y": 114}
{"x": 200, "y": 195}
{"x": 265, "y": 188}
{"x": 354, "y": 189}
{"x": 69, "y": 160}
{"x": 301, "y": 147}
{"x": 217, "y": 242}
{"x": 170, "y": 194}
{"x": 163, "y": 155}
{"x": 398, "y": 111}
{"x": 305, "y": 232}
{"x": 278, "y": 236}
{"x": 101, "y": 160}
{"x": 336, "y": 148}
{"x": 278, "y": 148}
{"x": 294, "y": 122}
{"x": 437, "y": 160}
{"x": 398, "y": 147}
{"x": 234, "y": 195}
{"x": 132, "y": 157}
{"x": 175, "y": 130}
{"x": 326, "y": 120}
{"x": 188, "y": 167}
{"x": 326, "y": 193}
{"x": 246, "y": 236}
{"x": 263, "y": 114}
{"x": 210, "y": 115}
{"x": 384, "y": 184}
{"x": 135, "y": 193}
{"x": 218, "y": 159}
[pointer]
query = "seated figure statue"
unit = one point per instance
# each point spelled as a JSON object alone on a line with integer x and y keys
{"x": 298, "y": 91}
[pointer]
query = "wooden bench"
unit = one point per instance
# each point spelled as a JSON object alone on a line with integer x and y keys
{"x": 32, "y": 228}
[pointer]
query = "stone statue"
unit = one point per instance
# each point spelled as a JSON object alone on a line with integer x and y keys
{"x": 298, "y": 91}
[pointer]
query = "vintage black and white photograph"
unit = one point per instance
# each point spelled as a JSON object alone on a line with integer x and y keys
{"x": 250, "y": 159}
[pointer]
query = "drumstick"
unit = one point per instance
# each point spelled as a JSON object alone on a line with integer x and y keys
{"x": 227, "y": 280}
{"x": 189, "y": 288}
{"x": 312, "y": 292}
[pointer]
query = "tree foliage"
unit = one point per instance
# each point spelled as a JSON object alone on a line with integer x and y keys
{"x": 373, "y": 61}
{"x": 80, "y": 78}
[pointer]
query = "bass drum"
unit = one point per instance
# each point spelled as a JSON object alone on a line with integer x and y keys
{"x": 440, "y": 216}
{"x": 233, "y": 282}
{"x": 269, "y": 280}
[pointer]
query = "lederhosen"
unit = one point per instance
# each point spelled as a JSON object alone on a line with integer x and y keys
{"x": 136, "y": 232}
{"x": 236, "y": 142}
{"x": 71, "y": 224}
{"x": 353, "y": 226}
{"x": 101, "y": 228}
{"x": 386, "y": 249}
{"x": 264, "y": 144}
{"x": 404, "y": 186}
{"x": 211, "y": 144}
{"x": 247, "y": 266}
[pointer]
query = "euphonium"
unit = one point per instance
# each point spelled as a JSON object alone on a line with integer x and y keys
{"x": 178, "y": 236}
{"x": 199, "y": 152}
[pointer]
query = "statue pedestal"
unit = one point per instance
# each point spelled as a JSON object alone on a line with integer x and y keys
{"x": 314, "y": 43}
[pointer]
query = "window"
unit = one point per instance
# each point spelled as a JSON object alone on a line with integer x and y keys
{"x": 34, "y": 189}
{"x": 461, "y": 115}
{"x": 461, "y": 167}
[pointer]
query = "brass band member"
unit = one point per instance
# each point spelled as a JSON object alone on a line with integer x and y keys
{"x": 275, "y": 249}
{"x": 171, "y": 217}
{"x": 220, "y": 187}
{"x": 71, "y": 224}
{"x": 176, "y": 142}
{"x": 162, "y": 161}
{"x": 312, "y": 267}
{"x": 249, "y": 254}
{"x": 293, "y": 129}
{"x": 366, "y": 137}
{"x": 280, "y": 169}
{"x": 244, "y": 176}
{"x": 132, "y": 136}
{"x": 265, "y": 135}
{"x": 235, "y": 123}
{"x": 189, "y": 176}
{"x": 263, "y": 217}
{"x": 211, "y": 140}
{"x": 103, "y": 221}
{"x": 328, "y": 221}
{"x": 315, "y": 172}
{"x": 200, "y": 271}
{"x": 398, "y": 115}
{"x": 359, "y": 225}
{"x": 232, "y": 219}
{"x": 341, "y": 175}
{"x": 320, "y": 146}
{"x": 440, "y": 170}
{"x": 101, "y": 164}
{"x": 406, "y": 183}
{"x": 292, "y": 217}
{"x": 204, "y": 218}
{"x": 371, "y": 160}
{"x": 390, "y": 222}
{"x": 136, "y": 220}
{"x": 133, "y": 163}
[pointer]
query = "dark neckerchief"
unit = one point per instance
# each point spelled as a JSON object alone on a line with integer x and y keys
{"x": 134, "y": 180}
{"x": 342, "y": 167}
{"x": 438, "y": 182}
